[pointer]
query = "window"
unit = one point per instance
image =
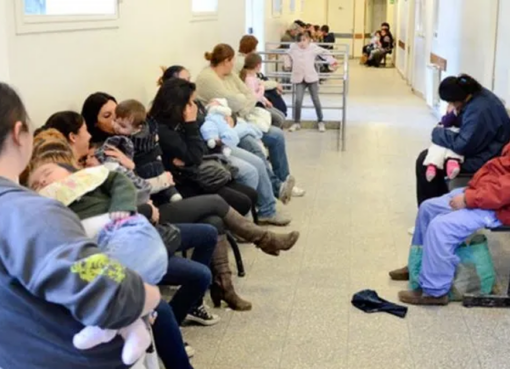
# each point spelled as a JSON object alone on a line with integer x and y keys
{"x": 35, "y": 16}
{"x": 292, "y": 6}
{"x": 204, "y": 7}
{"x": 277, "y": 8}
{"x": 70, "y": 7}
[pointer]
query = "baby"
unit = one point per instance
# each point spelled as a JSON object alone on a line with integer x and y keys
{"x": 105, "y": 202}
{"x": 221, "y": 130}
{"x": 131, "y": 121}
{"x": 437, "y": 155}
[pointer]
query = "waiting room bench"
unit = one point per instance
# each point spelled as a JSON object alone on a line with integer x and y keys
{"x": 496, "y": 301}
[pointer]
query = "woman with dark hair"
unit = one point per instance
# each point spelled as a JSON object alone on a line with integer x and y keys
{"x": 39, "y": 283}
{"x": 484, "y": 131}
{"x": 213, "y": 210}
{"x": 219, "y": 81}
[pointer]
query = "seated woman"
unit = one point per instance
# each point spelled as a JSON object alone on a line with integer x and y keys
{"x": 484, "y": 131}
{"x": 219, "y": 81}
{"x": 443, "y": 223}
{"x": 39, "y": 287}
{"x": 51, "y": 147}
{"x": 210, "y": 209}
{"x": 273, "y": 90}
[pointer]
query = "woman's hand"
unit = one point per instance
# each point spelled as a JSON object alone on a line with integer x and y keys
{"x": 119, "y": 215}
{"x": 178, "y": 163}
{"x": 279, "y": 89}
{"x": 121, "y": 157}
{"x": 268, "y": 104}
{"x": 190, "y": 112}
{"x": 458, "y": 202}
{"x": 170, "y": 178}
{"x": 155, "y": 213}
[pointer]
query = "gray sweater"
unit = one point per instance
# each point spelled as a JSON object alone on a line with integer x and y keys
{"x": 53, "y": 281}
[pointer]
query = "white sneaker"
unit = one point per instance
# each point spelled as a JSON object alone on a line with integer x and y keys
{"x": 411, "y": 231}
{"x": 295, "y": 127}
{"x": 298, "y": 192}
{"x": 322, "y": 127}
{"x": 190, "y": 351}
{"x": 202, "y": 315}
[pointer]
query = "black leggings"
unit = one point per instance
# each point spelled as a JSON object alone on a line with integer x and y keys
{"x": 239, "y": 196}
{"x": 208, "y": 209}
{"x": 427, "y": 190}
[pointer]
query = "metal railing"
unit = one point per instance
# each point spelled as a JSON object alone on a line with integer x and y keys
{"x": 332, "y": 83}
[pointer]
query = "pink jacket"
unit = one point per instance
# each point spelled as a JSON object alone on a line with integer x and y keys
{"x": 256, "y": 85}
{"x": 303, "y": 62}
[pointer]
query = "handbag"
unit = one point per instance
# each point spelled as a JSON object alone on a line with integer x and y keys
{"x": 171, "y": 236}
{"x": 214, "y": 172}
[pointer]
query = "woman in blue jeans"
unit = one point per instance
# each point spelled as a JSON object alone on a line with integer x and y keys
{"x": 278, "y": 165}
{"x": 194, "y": 277}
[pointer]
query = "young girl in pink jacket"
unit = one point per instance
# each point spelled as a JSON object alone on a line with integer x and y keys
{"x": 249, "y": 75}
{"x": 303, "y": 56}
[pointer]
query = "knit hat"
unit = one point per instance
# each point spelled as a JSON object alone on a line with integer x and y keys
{"x": 451, "y": 90}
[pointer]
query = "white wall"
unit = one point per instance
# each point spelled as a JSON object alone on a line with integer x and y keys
{"x": 502, "y": 68}
{"x": 55, "y": 71}
{"x": 402, "y": 34}
{"x": 316, "y": 12}
{"x": 4, "y": 44}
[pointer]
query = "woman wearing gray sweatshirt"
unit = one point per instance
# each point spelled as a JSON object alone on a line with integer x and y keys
{"x": 53, "y": 279}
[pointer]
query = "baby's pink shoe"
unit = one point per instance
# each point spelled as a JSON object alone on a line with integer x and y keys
{"x": 452, "y": 168}
{"x": 430, "y": 174}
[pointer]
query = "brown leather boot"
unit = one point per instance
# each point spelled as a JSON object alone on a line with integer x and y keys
{"x": 222, "y": 288}
{"x": 419, "y": 298}
{"x": 401, "y": 274}
{"x": 269, "y": 242}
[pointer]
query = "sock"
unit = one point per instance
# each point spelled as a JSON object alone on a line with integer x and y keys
{"x": 452, "y": 168}
{"x": 137, "y": 340}
{"x": 90, "y": 337}
{"x": 430, "y": 174}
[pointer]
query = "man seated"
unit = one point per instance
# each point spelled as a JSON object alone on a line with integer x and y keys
{"x": 327, "y": 37}
{"x": 443, "y": 223}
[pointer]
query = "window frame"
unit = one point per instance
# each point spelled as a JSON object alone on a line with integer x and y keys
{"x": 205, "y": 16}
{"x": 26, "y": 24}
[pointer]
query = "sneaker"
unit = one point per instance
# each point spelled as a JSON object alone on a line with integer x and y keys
{"x": 202, "y": 316}
{"x": 190, "y": 351}
{"x": 298, "y": 192}
{"x": 276, "y": 220}
{"x": 286, "y": 190}
{"x": 322, "y": 127}
{"x": 410, "y": 231}
{"x": 295, "y": 127}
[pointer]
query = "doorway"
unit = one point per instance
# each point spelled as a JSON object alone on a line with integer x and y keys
{"x": 341, "y": 20}
{"x": 255, "y": 21}
{"x": 376, "y": 14}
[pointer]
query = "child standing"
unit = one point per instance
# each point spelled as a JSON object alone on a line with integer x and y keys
{"x": 303, "y": 55}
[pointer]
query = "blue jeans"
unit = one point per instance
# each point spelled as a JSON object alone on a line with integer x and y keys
{"x": 168, "y": 339}
{"x": 274, "y": 140}
{"x": 440, "y": 230}
{"x": 247, "y": 163}
{"x": 137, "y": 245}
{"x": 193, "y": 275}
{"x": 250, "y": 143}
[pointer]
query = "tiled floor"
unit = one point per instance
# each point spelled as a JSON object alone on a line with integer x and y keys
{"x": 353, "y": 223}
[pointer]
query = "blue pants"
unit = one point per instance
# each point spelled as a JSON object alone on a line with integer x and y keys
{"x": 250, "y": 143}
{"x": 440, "y": 230}
{"x": 193, "y": 275}
{"x": 252, "y": 173}
{"x": 274, "y": 140}
{"x": 168, "y": 339}
{"x": 137, "y": 245}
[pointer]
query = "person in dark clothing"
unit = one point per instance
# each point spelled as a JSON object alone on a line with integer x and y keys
{"x": 484, "y": 131}
{"x": 327, "y": 37}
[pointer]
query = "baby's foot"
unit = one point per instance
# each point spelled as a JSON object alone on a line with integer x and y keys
{"x": 431, "y": 172}
{"x": 452, "y": 168}
{"x": 90, "y": 337}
